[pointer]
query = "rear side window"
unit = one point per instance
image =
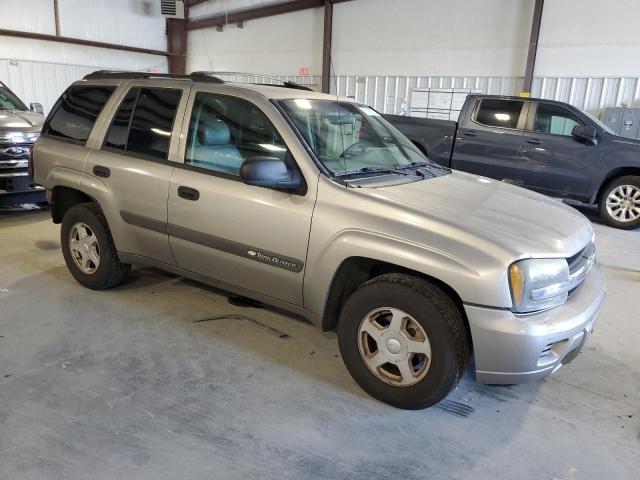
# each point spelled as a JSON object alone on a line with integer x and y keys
{"x": 499, "y": 113}
{"x": 144, "y": 122}
{"x": 76, "y": 111}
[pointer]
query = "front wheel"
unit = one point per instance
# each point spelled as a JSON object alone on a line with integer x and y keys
{"x": 403, "y": 340}
{"x": 619, "y": 202}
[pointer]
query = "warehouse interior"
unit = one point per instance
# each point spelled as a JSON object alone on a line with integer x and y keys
{"x": 170, "y": 375}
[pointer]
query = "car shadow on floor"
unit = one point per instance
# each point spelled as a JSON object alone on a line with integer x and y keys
{"x": 302, "y": 336}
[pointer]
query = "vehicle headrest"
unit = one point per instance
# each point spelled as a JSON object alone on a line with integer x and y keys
{"x": 214, "y": 132}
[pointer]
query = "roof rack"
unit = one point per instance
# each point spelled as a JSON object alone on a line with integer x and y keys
{"x": 200, "y": 76}
{"x": 117, "y": 74}
{"x": 285, "y": 83}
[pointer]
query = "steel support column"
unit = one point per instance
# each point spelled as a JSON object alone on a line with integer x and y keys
{"x": 326, "y": 46}
{"x": 533, "y": 47}
{"x": 177, "y": 45}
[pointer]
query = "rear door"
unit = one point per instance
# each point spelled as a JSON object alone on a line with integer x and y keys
{"x": 488, "y": 143}
{"x": 250, "y": 237}
{"x": 552, "y": 161}
{"x": 132, "y": 167}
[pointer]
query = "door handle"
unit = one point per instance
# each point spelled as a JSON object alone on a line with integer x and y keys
{"x": 470, "y": 134}
{"x": 534, "y": 142}
{"x": 188, "y": 193}
{"x": 100, "y": 171}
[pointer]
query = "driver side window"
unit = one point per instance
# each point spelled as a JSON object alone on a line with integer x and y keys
{"x": 225, "y": 131}
{"x": 554, "y": 120}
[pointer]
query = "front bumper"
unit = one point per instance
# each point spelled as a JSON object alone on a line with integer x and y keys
{"x": 511, "y": 348}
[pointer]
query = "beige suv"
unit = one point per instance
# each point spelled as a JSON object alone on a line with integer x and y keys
{"x": 319, "y": 206}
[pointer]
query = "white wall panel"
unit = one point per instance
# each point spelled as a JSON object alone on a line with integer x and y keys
{"x": 419, "y": 37}
{"x": 40, "y": 70}
{"x": 27, "y": 16}
{"x": 135, "y": 23}
{"x": 373, "y": 37}
{"x": 590, "y": 38}
{"x": 274, "y": 45}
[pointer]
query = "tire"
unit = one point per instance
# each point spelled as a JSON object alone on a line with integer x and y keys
{"x": 626, "y": 188}
{"x": 419, "y": 302}
{"x": 107, "y": 271}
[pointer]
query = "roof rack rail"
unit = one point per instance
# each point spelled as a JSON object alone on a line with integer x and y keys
{"x": 117, "y": 74}
{"x": 285, "y": 83}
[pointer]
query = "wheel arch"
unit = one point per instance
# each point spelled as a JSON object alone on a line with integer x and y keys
{"x": 63, "y": 198}
{"x": 611, "y": 176}
{"x": 354, "y": 271}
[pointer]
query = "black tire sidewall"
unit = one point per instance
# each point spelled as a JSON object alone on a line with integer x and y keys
{"x": 443, "y": 371}
{"x": 602, "y": 204}
{"x": 85, "y": 213}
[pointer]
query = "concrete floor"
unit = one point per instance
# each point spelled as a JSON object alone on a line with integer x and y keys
{"x": 128, "y": 384}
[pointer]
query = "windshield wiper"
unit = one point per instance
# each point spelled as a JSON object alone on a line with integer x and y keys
{"x": 394, "y": 171}
{"x": 425, "y": 165}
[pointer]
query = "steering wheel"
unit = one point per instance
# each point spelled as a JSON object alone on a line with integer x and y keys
{"x": 358, "y": 147}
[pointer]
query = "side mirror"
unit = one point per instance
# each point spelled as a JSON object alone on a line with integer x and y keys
{"x": 36, "y": 108}
{"x": 269, "y": 172}
{"x": 585, "y": 133}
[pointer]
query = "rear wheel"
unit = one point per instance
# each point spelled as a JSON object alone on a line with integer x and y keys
{"x": 88, "y": 248}
{"x": 619, "y": 202}
{"x": 403, "y": 340}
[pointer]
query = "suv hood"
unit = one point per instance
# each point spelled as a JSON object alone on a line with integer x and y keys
{"x": 20, "y": 121}
{"x": 522, "y": 222}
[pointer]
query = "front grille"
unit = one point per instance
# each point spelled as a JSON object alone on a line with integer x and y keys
{"x": 580, "y": 264}
{"x": 15, "y": 151}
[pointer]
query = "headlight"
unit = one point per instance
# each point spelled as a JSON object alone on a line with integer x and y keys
{"x": 538, "y": 284}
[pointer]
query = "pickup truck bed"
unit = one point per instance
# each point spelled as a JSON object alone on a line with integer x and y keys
{"x": 434, "y": 137}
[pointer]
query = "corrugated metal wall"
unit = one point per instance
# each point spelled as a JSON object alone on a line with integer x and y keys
{"x": 43, "y": 82}
{"x": 387, "y": 93}
{"x": 40, "y": 82}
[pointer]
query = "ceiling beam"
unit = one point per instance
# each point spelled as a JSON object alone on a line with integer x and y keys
{"x": 257, "y": 12}
{"x": 533, "y": 47}
{"x": 80, "y": 41}
{"x": 191, "y": 3}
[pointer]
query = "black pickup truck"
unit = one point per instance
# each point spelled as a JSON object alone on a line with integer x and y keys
{"x": 547, "y": 146}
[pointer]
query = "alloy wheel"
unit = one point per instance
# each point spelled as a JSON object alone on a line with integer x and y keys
{"x": 85, "y": 249}
{"x": 623, "y": 203}
{"x": 394, "y": 346}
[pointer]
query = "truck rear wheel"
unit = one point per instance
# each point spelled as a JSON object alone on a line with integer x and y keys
{"x": 403, "y": 340}
{"x": 89, "y": 250}
{"x": 619, "y": 202}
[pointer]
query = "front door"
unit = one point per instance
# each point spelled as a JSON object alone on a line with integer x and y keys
{"x": 552, "y": 161}
{"x": 488, "y": 143}
{"x": 249, "y": 237}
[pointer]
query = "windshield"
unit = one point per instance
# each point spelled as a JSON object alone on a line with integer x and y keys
{"x": 347, "y": 137}
{"x": 9, "y": 101}
{"x": 599, "y": 123}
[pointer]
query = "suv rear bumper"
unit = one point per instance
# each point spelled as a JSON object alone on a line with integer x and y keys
{"x": 512, "y": 348}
